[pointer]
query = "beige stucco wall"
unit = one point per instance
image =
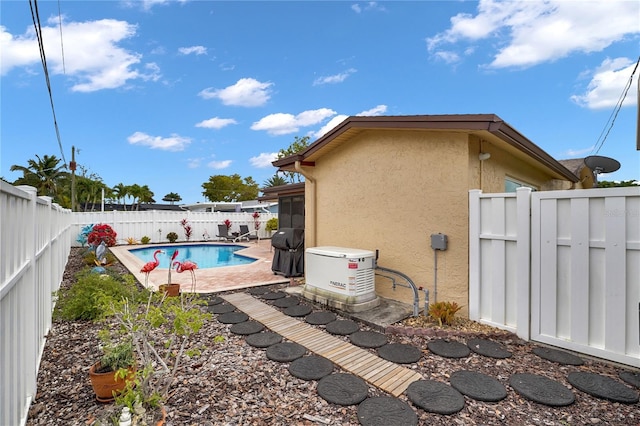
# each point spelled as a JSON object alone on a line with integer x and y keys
{"x": 390, "y": 190}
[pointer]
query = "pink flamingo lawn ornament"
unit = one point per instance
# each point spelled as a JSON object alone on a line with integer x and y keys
{"x": 150, "y": 266}
{"x": 190, "y": 266}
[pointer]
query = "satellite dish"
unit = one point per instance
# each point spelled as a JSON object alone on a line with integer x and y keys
{"x": 599, "y": 164}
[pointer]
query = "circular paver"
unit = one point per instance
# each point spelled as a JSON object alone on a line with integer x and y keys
{"x": 448, "y": 348}
{"x": 368, "y": 339}
{"x": 286, "y": 302}
{"x": 247, "y": 327}
{"x": 257, "y": 291}
{"x": 386, "y": 411}
{"x": 222, "y": 308}
{"x": 298, "y": 310}
{"x": 285, "y": 352}
{"x": 263, "y": 340}
{"x": 488, "y": 348}
{"x": 342, "y": 389}
{"x": 631, "y": 378}
{"x": 541, "y": 389}
{"x": 561, "y": 357}
{"x": 400, "y": 353}
{"x": 274, "y": 295}
{"x": 213, "y": 300}
{"x": 602, "y": 387}
{"x": 478, "y": 386}
{"x": 233, "y": 317}
{"x": 320, "y": 318}
{"x": 435, "y": 397}
{"x": 311, "y": 367}
{"x": 342, "y": 327}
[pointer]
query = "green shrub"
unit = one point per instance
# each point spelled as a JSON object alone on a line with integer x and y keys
{"x": 443, "y": 312}
{"x": 172, "y": 237}
{"x": 82, "y": 300}
{"x": 145, "y": 240}
{"x": 272, "y": 224}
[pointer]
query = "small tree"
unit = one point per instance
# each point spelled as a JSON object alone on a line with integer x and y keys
{"x": 172, "y": 197}
{"x": 299, "y": 144}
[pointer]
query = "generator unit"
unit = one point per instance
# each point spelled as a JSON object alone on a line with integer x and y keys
{"x": 343, "y": 278}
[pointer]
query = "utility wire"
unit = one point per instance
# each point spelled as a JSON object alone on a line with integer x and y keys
{"x": 64, "y": 68}
{"x": 616, "y": 110}
{"x": 35, "y": 16}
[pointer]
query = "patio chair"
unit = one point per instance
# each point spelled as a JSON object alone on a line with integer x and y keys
{"x": 223, "y": 233}
{"x": 246, "y": 234}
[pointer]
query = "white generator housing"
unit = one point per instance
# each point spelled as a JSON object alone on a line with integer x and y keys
{"x": 343, "y": 278}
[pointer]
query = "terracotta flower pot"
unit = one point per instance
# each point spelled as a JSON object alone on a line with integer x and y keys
{"x": 105, "y": 384}
{"x": 170, "y": 289}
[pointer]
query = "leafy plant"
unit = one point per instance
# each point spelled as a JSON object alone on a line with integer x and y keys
{"x": 131, "y": 241}
{"x": 116, "y": 356}
{"x": 187, "y": 228}
{"x": 272, "y": 224}
{"x": 145, "y": 240}
{"x": 102, "y": 232}
{"x": 256, "y": 220}
{"x": 443, "y": 312}
{"x": 90, "y": 258}
{"x": 227, "y": 223}
{"x": 172, "y": 237}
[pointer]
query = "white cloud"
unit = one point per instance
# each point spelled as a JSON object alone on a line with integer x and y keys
{"x": 264, "y": 159}
{"x": 332, "y": 79}
{"x": 247, "y": 92}
{"x": 194, "y": 163}
{"x": 172, "y": 143}
{"x": 377, "y": 110}
{"x": 219, "y": 164}
{"x": 196, "y": 50}
{"x": 92, "y": 58}
{"x": 216, "y": 123}
{"x": 571, "y": 153}
{"x": 370, "y": 5}
{"x": 532, "y": 32}
{"x": 607, "y": 84}
{"x": 282, "y": 124}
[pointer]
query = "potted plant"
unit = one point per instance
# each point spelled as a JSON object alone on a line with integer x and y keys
{"x": 172, "y": 237}
{"x": 171, "y": 289}
{"x": 272, "y": 225}
{"x": 110, "y": 375}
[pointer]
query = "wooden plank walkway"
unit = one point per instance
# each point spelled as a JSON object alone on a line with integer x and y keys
{"x": 385, "y": 375}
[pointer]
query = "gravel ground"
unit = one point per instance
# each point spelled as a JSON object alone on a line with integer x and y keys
{"x": 232, "y": 383}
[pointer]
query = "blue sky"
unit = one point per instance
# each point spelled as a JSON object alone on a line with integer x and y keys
{"x": 169, "y": 93}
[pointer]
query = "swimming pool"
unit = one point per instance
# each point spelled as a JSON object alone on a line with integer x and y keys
{"x": 205, "y": 255}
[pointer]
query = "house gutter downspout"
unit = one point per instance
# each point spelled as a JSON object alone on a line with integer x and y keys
{"x": 310, "y": 206}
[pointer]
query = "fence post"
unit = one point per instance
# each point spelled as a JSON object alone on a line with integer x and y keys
{"x": 474, "y": 254}
{"x": 523, "y": 262}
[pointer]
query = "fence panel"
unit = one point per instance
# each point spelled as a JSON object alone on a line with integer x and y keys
{"x": 34, "y": 248}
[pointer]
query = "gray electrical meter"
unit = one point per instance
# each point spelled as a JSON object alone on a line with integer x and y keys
{"x": 438, "y": 241}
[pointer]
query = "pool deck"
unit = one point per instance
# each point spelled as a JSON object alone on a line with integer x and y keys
{"x": 209, "y": 280}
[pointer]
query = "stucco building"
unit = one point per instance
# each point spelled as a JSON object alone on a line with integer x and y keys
{"x": 389, "y": 182}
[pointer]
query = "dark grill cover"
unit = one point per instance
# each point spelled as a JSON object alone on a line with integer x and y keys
{"x": 288, "y": 256}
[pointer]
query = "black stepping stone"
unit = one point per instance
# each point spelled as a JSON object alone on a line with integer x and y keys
{"x": 400, "y": 353}
{"x": 342, "y": 327}
{"x": 233, "y": 317}
{"x": 247, "y": 327}
{"x": 386, "y": 411}
{"x": 448, "y": 348}
{"x": 478, "y": 386}
{"x": 561, "y": 357}
{"x": 368, "y": 339}
{"x": 311, "y": 367}
{"x": 298, "y": 310}
{"x": 541, "y": 389}
{"x": 631, "y": 378}
{"x": 488, "y": 348}
{"x": 602, "y": 387}
{"x": 285, "y": 352}
{"x": 320, "y": 318}
{"x": 286, "y": 302}
{"x": 257, "y": 291}
{"x": 263, "y": 340}
{"x": 274, "y": 295}
{"x": 213, "y": 300}
{"x": 342, "y": 389}
{"x": 435, "y": 397}
{"x": 222, "y": 308}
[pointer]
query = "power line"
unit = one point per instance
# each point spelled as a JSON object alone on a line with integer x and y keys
{"x": 614, "y": 114}
{"x": 35, "y": 16}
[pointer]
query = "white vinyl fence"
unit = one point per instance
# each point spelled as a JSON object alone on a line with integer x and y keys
{"x": 156, "y": 224}
{"x": 559, "y": 267}
{"x": 35, "y": 241}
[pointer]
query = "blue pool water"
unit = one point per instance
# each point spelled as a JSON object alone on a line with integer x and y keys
{"x": 205, "y": 255}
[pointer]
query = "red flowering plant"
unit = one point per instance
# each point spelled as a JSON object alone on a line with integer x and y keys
{"x": 102, "y": 232}
{"x": 227, "y": 223}
{"x": 256, "y": 220}
{"x": 187, "y": 228}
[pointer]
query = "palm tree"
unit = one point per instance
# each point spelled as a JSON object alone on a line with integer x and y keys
{"x": 275, "y": 180}
{"x": 43, "y": 174}
{"x": 121, "y": 191}
{"x": 172, "y": 197}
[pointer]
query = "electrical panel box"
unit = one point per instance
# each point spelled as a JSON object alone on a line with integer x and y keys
{"x": 439, "y": 241}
